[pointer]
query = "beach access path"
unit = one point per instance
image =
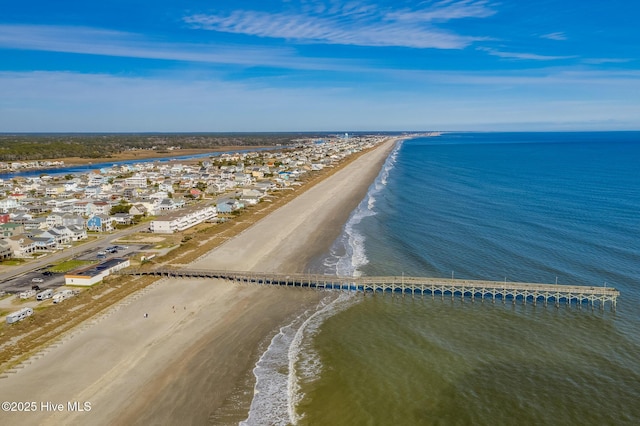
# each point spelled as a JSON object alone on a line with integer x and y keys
{"x": 198, "y": 342}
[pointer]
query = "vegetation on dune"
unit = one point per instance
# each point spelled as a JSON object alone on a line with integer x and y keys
{"x": 70, "y": 265}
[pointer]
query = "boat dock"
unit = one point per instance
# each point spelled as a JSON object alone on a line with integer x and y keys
{"x": 443, "y": 287}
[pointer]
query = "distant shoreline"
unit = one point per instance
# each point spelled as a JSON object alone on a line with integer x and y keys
{"x": 128, "y": 156}
{"x": 147, "y": 154}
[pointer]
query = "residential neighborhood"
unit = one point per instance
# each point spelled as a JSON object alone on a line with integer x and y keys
{"x": 47, "y": 213}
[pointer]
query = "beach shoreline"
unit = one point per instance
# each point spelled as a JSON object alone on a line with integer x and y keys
{"x": 201, "y": 339}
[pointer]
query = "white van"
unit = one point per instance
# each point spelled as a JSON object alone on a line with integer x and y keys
{"x": 19, "y": 315}
{"x": 45, "y": 294}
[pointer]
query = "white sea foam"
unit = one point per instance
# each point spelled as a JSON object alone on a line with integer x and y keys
{"x": 270, "y": 402}
{"x": 348, "y": 253}
{"x": 289, "y": 359}
{"x": 304, "y": 361}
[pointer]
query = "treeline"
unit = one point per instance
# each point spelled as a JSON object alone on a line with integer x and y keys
{"x": 24, "y": 147}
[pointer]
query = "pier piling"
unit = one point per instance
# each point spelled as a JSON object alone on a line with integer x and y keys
{"x": 465, "y": 288}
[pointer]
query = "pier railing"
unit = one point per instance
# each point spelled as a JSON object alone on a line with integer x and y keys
{"x": 443, "y": 287}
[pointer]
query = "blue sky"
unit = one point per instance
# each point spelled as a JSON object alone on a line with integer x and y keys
{"x": 297, "y": 65}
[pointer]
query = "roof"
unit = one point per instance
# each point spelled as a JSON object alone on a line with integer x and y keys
{"x": 94, "y": 270}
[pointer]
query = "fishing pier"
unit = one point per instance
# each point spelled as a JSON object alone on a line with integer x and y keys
{"x": 443, "y": 287}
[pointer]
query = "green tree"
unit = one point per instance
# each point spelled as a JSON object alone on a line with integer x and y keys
{"x": 122, "y": 207}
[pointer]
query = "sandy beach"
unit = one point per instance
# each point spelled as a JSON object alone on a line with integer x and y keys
{"x": 193, "y": 355}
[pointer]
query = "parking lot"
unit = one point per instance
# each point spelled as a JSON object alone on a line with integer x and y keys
{"x": 45, "y": 279}
{"x": 27, "y": 281}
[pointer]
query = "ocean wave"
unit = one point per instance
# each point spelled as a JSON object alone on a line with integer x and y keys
{"x": 304, "y": 361}
{"x": 348, "y": 254}
{"x": 289, "y": 358}
{"x": 390, "y": 163}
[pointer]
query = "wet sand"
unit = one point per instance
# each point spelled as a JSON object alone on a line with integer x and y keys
{"x": 195, "y": 351}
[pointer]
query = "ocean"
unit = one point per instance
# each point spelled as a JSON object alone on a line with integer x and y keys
{"x": 528, "y": 207}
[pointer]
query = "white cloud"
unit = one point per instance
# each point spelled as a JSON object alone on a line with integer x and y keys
{"x": 444, "y": 11}
{"x": 94, "y": 41}
{"x": 56, "y": 101}
{"x": 553, "y": 79}
{"x": 354, "y": 24}
{"x": 560, "y": 36}
{"x": 598, "y": 61}
{"x": 65, "y": 101}
{"x": 522, "y": 56}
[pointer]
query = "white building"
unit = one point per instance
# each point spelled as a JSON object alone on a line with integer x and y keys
{"x": 183, "y": 219}
{"x": 96, "y": 273}
{"x": 136, "y": 181}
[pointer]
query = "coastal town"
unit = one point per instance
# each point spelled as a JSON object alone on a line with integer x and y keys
{"x": 49, "y": 213}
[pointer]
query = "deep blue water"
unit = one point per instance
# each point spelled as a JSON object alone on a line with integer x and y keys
{"x": 525, "y": 206}
{"x": 528, "y": 207}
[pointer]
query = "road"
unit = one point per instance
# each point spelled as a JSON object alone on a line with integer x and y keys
{"x": 67, "y": 253}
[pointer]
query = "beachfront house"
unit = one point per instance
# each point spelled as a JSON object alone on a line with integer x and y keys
{"x": 45, "y": 243}
{"x": 228, "y": 205}
{"x": 71, "y": 232}
{"x": 21, "y": 245}
{"x": 252, "y": 196}
{"x": 265, "y": 185}
{"x": 5, "y": 250}
{"x": 100, "y": 223}
{"x": 59, "y": 236}
{"x": 77, "y": 232}
{"x": 122, "y": 218}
